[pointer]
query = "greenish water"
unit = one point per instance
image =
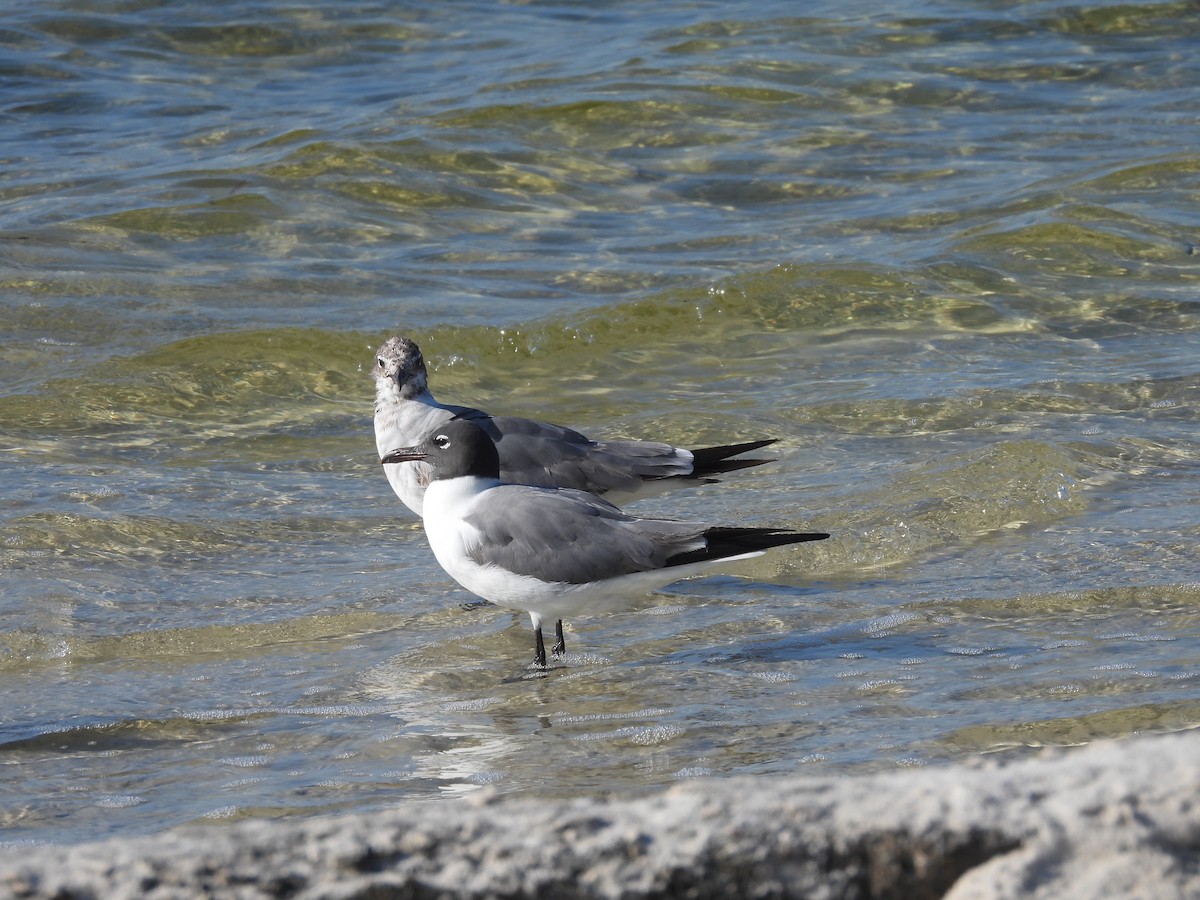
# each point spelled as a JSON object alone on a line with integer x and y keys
{"x": 945, "y": 255}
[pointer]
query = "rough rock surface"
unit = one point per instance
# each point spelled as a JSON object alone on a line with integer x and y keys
{"x": 1119, "y": 819}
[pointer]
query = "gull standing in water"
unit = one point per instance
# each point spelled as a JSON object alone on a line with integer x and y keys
{"x": 536, "y": 453}
{"x": 556, "y": 552}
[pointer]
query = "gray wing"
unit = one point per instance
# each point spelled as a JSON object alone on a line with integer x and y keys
{"x": 571, "y": 536}
{"x": 539, "y": 453}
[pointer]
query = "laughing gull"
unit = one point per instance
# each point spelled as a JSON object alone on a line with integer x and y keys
{"x": 555, "y": 552}
{"x": 531, "y": 452}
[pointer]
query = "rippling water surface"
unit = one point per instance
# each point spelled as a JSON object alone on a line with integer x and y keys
{"x": 944, "y": 254}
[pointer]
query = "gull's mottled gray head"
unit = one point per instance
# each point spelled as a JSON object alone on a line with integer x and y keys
{"x": 455, "y": 449}
{"x": 399, "y": 360}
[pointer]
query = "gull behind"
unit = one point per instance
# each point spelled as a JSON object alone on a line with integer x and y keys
{"x": 531, "y": 452}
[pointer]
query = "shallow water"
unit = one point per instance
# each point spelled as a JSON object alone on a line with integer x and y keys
{"x": 945, "y": 256}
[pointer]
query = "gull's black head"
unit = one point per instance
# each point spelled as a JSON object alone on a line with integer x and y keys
{"x": 455, "y": 449}
{"x": 398, "y": 361}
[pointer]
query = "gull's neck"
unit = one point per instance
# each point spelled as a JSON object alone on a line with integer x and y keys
{"x": 388, "y": 394}
{"x": 449, "y": 497}
{"x": 402, "y": 415}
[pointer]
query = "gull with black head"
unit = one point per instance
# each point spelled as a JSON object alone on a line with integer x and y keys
{"x": 531, "y": 452}
{"x": 557, "y": 552}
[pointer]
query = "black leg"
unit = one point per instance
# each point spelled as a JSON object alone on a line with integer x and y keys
{"x": 560, "y": 643}
{"x": 539, "y": 648}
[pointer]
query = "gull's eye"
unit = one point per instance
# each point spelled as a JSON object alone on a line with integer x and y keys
{"x": 442, "y": 441}
{"x": 379, "y": 359}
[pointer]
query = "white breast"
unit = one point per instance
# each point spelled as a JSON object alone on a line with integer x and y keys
{"x": 447, "y": 504}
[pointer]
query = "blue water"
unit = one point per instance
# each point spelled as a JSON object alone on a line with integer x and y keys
{"x": 945, "y": 255}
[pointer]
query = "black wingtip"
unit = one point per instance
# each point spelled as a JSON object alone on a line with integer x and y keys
{"x": 721, "y": 543}
{"x": 724, "y": 466}
{"x": 716, "y": 460}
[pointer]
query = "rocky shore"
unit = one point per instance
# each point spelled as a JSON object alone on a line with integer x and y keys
{"x": 1114, "y": 819}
